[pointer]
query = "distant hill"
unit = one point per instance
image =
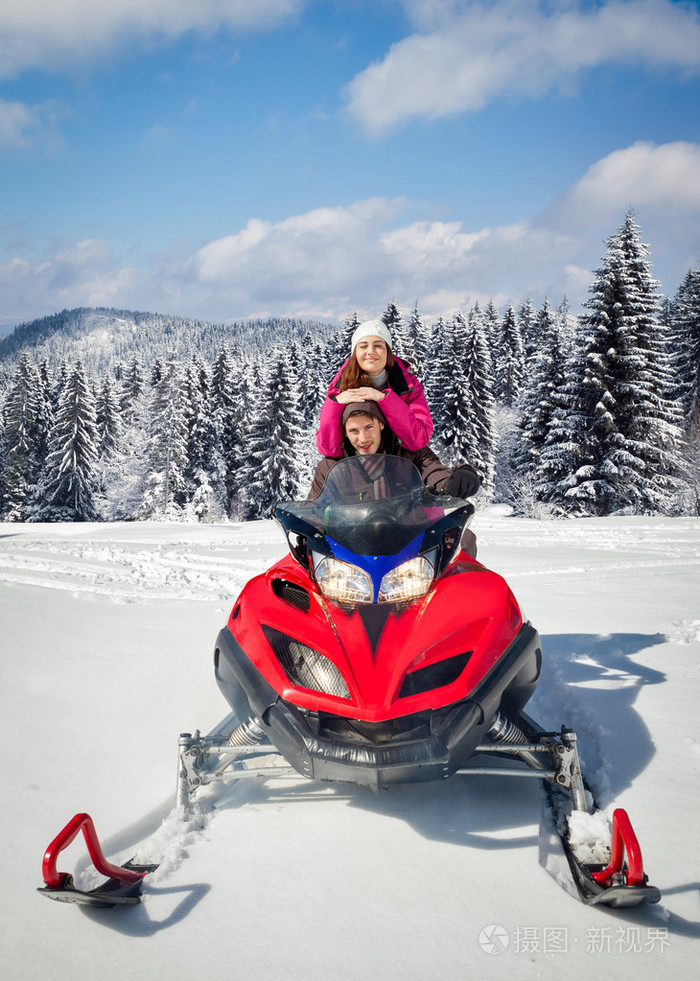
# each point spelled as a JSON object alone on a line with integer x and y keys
{"x": 102, "y": 337}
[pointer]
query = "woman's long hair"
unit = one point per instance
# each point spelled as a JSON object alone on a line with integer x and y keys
{"x": 354, "y": 377}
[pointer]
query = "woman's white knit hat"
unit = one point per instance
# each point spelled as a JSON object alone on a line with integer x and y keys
{"x": 371, "y": 328}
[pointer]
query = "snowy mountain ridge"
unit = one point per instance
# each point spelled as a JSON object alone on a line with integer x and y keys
{"x": 102, "y": 336}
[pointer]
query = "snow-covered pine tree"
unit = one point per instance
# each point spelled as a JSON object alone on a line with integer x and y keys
{"x": 480, "y": 381}
{"x": 509, "y": 359}
{"x": 205, "y": 472}
{"x": 685, "y": 338}
{"x": 25, "y": 438}
{"x": 685, "y": 335}
{"x": 335, "y": 350}
{"x": 536, "y": 406}
{"x": 165, "y": 493}
{"x": 433, "y": 370}
{"x": 302, "y": 392}
{"x": 492, "y": 329}
{"x": 466, "y": 426}
{"x": 310, "y": 372}
{"x": 416, "y": 342}
{"x": 228, "y": 387}
{"x": 109, "y": 422}
{"x": 621, "y": 433}
{"x": 568, "y": 327}
{"x": 352, "y": 322}
{"x": 528, "y": 324}
{"x": 67, "y": 489}
{"x": 395, "y": 325}
{"x": 133, "y": 387}
{"x": 271, "y": 444}
{"x": 47, "y": 413}
{"x": 157, "y": 369}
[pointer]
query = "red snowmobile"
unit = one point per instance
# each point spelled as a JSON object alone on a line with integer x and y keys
{"x": 378, "y": 652}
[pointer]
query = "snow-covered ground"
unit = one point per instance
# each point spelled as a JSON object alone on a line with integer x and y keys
{"x": 107, "y": 634}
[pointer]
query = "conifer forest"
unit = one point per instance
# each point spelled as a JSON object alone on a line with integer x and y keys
{"x": 109, "y": 415}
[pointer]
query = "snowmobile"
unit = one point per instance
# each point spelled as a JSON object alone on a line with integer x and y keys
{"x": 379, "y": 652}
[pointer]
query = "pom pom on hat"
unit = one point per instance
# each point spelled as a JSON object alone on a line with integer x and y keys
{"x": 371, "y": 328}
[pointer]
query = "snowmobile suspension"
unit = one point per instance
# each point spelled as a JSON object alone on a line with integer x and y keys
{"x": 205, "y": 759}
{"x": 562, "y": 749}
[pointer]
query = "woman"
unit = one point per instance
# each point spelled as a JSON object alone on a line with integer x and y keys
{"x": 372, "y": 373}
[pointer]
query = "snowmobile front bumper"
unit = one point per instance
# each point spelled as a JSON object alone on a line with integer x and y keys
{"x": 447, "y": 737}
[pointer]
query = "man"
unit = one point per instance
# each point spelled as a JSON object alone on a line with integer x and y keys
{"x": 366, "y": 432}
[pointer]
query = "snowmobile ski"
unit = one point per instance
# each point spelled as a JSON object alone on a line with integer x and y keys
{"x": 618, "y": 884}
{"x": 123, "y": 886}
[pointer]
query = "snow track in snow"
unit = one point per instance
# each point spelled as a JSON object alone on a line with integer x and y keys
{"x": 131, "y": 571}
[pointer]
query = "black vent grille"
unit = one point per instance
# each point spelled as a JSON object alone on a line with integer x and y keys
{"x": 304, "y": 666}
{"x": 290, "y": 592}
{"x": 434, "y": 675}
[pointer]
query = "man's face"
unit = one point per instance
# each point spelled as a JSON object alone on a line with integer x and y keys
{"x": 364, "y": 433}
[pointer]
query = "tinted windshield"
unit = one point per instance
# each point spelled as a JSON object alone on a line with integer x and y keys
{"x": 373, "y": 505}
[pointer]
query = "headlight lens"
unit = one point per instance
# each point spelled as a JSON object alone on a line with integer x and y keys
{"x": 407, "y": 582}
{"x": 342, "y": 582}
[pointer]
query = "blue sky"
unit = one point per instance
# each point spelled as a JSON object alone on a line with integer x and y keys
{"x": 229, "y": 158}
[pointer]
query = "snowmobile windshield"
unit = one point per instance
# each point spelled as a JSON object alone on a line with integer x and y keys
{"x": 375, "y": 504}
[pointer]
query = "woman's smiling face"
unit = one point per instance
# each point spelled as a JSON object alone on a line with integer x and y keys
{"x": 371, "y": 354}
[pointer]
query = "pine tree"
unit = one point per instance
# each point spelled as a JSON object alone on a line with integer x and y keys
{"x": 392, "y": 320}
{"x": 536, "y": 407}
{"x": 509, "y": 359}
{"x": 684, "y": 329}
{"x": 528, "y": 327}
{"x": 435, "y": 370}
{"x": 133, "y": 389}
{"x": 479, "y": 379}
{"x": 416, "y": 342}
{"x": 309, "y": 371}
{"x": 165, "y": 494}
{"x": 109, "y": 422}
{"x": 228, "y": 394}
{"x": 621, "y": 432}
{"x": 492, "y": 329}
{"x": 205, "y": 472}
{"x": 68, "y": 487}
{"x": 25, "y": 440}
{"x": 271, "y": 445}
{"x": 466, "y": 425}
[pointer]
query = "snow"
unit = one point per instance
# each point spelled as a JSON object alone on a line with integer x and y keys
{"x": 107, "y": 639}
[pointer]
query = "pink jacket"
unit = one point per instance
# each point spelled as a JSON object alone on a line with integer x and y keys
{"x": 404, "y": 406}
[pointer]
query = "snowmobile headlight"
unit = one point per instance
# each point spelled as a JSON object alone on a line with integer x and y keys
{"x": 343, "y": 582}
{"x": 408, "y": 581}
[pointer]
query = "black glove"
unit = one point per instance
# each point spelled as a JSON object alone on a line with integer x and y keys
{"x": 462, "y": 482}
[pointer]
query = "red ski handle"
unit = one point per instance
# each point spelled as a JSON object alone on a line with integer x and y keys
{"x": 623, "y": 840}
{"x": 82, "y": 822}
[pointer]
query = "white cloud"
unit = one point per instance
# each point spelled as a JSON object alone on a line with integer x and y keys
{"x": 663, "y": 178}
{"x": 50, "y": 32}
{"x": 479, "y": 52}
{"x": 327, "y": 252}
{"x": 82, "y": 274}
{"x": 23, "y": 126}
{"x": 331, "y": 261}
